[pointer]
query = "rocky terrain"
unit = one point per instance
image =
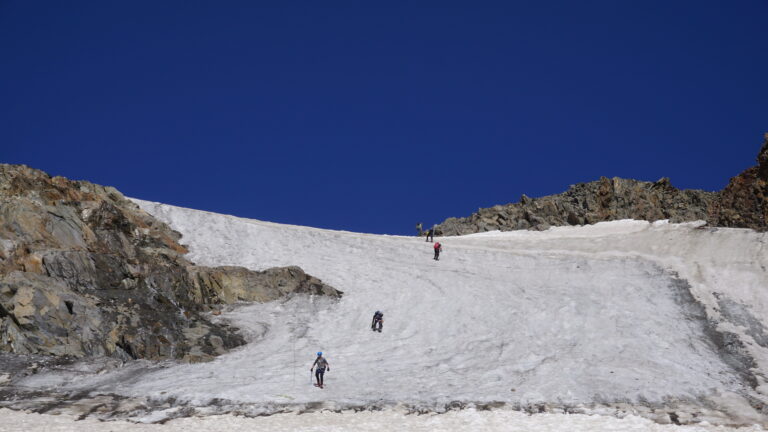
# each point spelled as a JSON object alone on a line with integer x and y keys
{"x": 742, "y": 204}
{"x": 588, "y": 203}
{"x": 85, "y": 272}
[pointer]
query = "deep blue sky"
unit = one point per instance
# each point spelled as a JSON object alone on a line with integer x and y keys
{"x": 371, "y": 118}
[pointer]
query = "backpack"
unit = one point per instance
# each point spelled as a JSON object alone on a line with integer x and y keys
{"x": 437, "y": 245}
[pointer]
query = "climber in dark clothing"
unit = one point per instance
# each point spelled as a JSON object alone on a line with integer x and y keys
{"x": 438, "y": 249}
{"x": 322, "y": 365}
{"x": 378, "y": 321}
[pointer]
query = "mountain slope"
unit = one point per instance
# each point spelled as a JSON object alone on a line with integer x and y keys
{"x": 655, "y": 315}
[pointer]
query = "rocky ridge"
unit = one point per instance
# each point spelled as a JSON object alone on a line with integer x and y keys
{"x": 588, "y": 203}
{"x": 85, "y": 272}
{"x": 741, "y": 204}
{"x": 744, "y": 202}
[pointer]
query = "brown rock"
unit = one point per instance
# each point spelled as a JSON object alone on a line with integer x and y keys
{"x": 744, "y": 202}
{"x": 602, "y": 200}
{"x": 238, "y": 284}
{"x": 86, "y": 272}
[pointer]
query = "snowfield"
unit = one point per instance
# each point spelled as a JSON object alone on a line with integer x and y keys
{"x": 464, "y": 420}
{"x": 618, "y": 317}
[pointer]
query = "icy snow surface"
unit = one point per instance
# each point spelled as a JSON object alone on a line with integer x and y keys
{"x": 613, "y": 312}
{"x": 465, "y": 420}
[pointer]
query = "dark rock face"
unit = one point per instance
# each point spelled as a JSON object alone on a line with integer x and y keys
{"x": 588, "y": 203}
{"x": 86, "y": 272}
{"x": 744, "y": 202}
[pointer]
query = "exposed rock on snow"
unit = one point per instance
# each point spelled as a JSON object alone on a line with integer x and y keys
{"x": 86, "y": 272}
{"x": 589, "y": 203}
{"x": 742, "y": 204}
{"x": 236, "y": 284}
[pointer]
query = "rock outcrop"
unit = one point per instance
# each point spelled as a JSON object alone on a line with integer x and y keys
{"x": 237, "y": 284}
{"x": 588, "y": 203}
{"x": 86, "y": 272}
{"x": 743, "y": 204}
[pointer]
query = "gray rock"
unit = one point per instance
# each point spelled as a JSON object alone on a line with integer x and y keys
{"x": 86, "y": 272}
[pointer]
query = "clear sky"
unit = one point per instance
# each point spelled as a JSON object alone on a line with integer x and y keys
{"x": 372, "y": 116}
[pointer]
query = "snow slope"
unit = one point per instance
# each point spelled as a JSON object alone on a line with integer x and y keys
{"x": 623, "y": 311}
{"x": 464, "y": 420}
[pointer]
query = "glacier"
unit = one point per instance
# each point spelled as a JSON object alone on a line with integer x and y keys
{"x": 624, "y": 316}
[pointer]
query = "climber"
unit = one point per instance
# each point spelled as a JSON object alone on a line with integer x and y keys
{"x": 378, "y": 319}
{"x": 431, "y": 233}
{"x": 438, "y": 248}
{"x": 322, "y": 366}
